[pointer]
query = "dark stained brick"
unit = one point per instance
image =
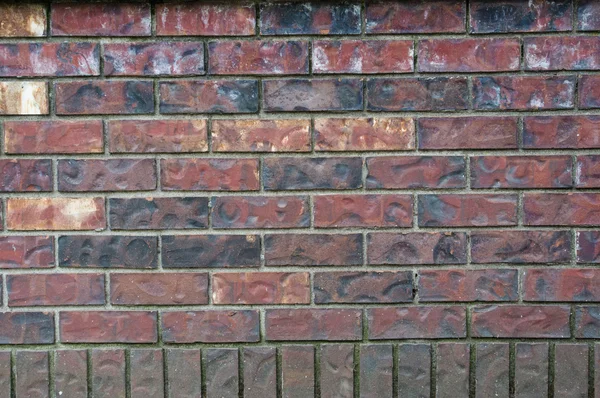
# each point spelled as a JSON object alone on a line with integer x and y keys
{"x": 414, "y": 172}
{"x": 588, "y": 246}
{"x": 146, "y": 373}
{"x": 108, "y": 373}
{"x": 589, "y": 93}
{"x": 210, "y": 251}
{"x": 70, "y": 373}
{"x": 210, "y": 326}
{"x": 587, "y": 322}
{"x": 389, "y": 248}
{"x": 470, "y": 132}
{"x": 337, "y": 370}
{"x": 423, "y": 322}
{"x": 260, "y": 212}
{"x": 312, "y": 95}
{"x": 221, "y": 372}
{"x": 588, "y": 15}
{"x": 260, "y": 372}
{"x": 107, "y": 175}
{"x": 184, "y": 372}
{"x": 309, "y": 18}
{"x": 21, "y": 175}
{"x": 414, "y": 370}
{"x": 571, "y": 370}
{"x": 297, "y": 371}
{"x": 26, "y": 328}
{"x": 189, "y": 174}
{"x": 492, "y": 370}
{"x": 376, "y": 370}
{"x": 363, "y": 287}
{"x": 456, "y": 210}
{"x": 531, "y": 370}
{"x": 414, "y": 16}
{"x": 312, "y": 173}
{"x": 468, "y": 285}
{"x": 521, "y": 321}
{"x": 32, "y": 374}
{"x": 158, "y": 213}
{"x": 313, "y": 249}
{"x": 313, "y": 324}
{"x": 26, "y": 252}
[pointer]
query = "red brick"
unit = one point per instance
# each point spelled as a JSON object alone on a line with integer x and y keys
{"x": 22, "y": 20}
{"x": 312, "y": 95}
{"x": 468, "y": 285}
{"x": 566, "y": 131}
{"x": 158, "y": 213}
{"x": 209, "y": 174}
{"x": 492, "y": 370}
{"x": 55, "y": 289}
{"x": 589, "y": 91}
{"x": 423, "y": 322}
{"x": 209, "y": 96}
{"x": 24, "y": 98}
{"x": 146, "y": 368}
{"x": 521, "y": 172}
{"x": 184, "y": 373}
{"x": 531, "y": 369}
{"x": 352, "y": 134}
{"x": 389, "y": 248}
{"x": 22, "y": 175}
{"x": 297, "y": 371}
{"x": 106, "y": 175}
{"x": 210, "y": 251}
{"x": 309, "y": 18}
{"x": 587, "y": 322}
{"x": 331, "y": 211}
{"x": 53, "y": 136}
{"x": 561, "y": 285}
{"x": 26, "y": 328}
{"x": 456, "y": 210}
{"x": 197, "y": 19}
{"x": 588, "y": 246}
{"x": 258, "y": 57}
{"x": 261, "y": 288}
{"x": 588, "y": 171}
{"x": 588, "y": 15}
{"x": 469, "y": 55}
{"x": 159, "y": 288}
{"x": 313, "y": 324}
{"x": 376, "y": 370}
{"x": 521, "y": 321}
{"x": 70, "y": 377}
{"x": 313, "y": 249}
{"x": 261, "y": 135}
{"x": 154, "y": 59}
{"x": 414, "y": 16}
{"x": 55, "y": 213}
{"x": 221, "y": 369}
{"x": 362, "y": 56}
{"x": 415, "y": 172}
{"x": 108, "y": 377}
{"x": 571, "y": 370}
{"x": 452, "y": 370}
{"x": 32, "y": 375}
{"x": 561, "y": 209}
{"x": 260, "y": 212}
{"x": 468, "y": 133}
{"x": 523, "y": 92}
{"x": 210, "y": 326}
{"x": 295, "y": 173}
{"x": 562, "y": 53}
{"x": 108, "y": 327}
{"x": 72, "y": 19}
{"x": 363, "y": 287}
{"x": 26, "y": 252}
{"x": 260, "y": 372}
{"x": 337, "y": 370}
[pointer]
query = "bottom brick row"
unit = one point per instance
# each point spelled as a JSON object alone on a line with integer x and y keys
{"x": 454, "y": 370}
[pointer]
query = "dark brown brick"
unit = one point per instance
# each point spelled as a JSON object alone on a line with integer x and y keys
{"x": 108, "y": 327}
{"x": 389, "y": 248}
{"x": 304, "y": 95}
{"x": 414, "y": 16}
{"x": 588, "y": 15}
{"x": 26, "y": 252}
{"x": 414, "y": 172}
{"x": 531, "y": 370}
{"x": 589, "y": 93}
{"x": 313, "y": 249}
{"x": 566, "y": 131}
{"x": 198, "y": 19}
{"x": 26, "y": 328}
{"x": 32, "y": 374}
{"x": 309, "y": 18}
{"x": 452, "y": 210}
{"x": 70, "y": 373}
{"x": 159, "y": 288}
{"x": 376, "y": 370}
{"x": 146, "y": 373}
{"x": 588, "y": 246}
{"x": 108, "y": 373}
{"x": 312, "y": 173}
{"x": 588, "y": 171}
{"x": 561, "y": 209}
{"x": 521, "y": 321}
{"x": 363, "y": 287}
{"x": 423, "y": 322}
{"x": 209, "y": 174}
{"x": 337, "y": 370}
{"x": 492, "y": 370}
{"x": 210, "y": 251}
{"x": 106, "y": 175}
{"x": 414, "y": 370}
{"x": 571, "y": 370}
{"x": 297, "y": 371}
{"x": 184, "y": 373}
{"x": 313, "y": 324}
{"x": 222, "y": 378}
{"x": 260, "y": 372}
{"x": 453, "y": 370}
{"x": 72, "y": 19}
{"x": 210, "y": 326}
{"x": 158, "y": 213}
{"x": 469, "y": 285}
{"x": 260, "y": 212}
{"x": 260, "y": 288}
{"x": 261, "y": 135}
{"x": 587, "y": 322}
{"x": 55, "y": 289}
{"x": 542, "y": 284}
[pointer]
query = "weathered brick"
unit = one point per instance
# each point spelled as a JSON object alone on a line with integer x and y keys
{"x": 55, "y": 289}
{"x": 55, "y": 213}
{"x": 561, "y": 53}
{"x": 210, "y": 326}
{"x": 531, "y": 370}
{"x": 414, "y": 16}
{"x": 158, "y": 213}
{"x": 469, "y": 55}
{"x": 53, "y": 136}
{"x": 184, "y": 373}
{"x": 222, "y": 372}
{"x": 587, "y": 322}
{"x": 417, "y": 94}
{"x": 209, "y": 96}
{"x": 260, "y": 288}
{"x": 5, "y": 374}
{"x": 154, "y": 59}
{"x": 589, "y": 91}
{"x": 596, "y": 366}
{"x": 159, "y": 288}
{"x": 376, "y": 370}
{"x": 415, "y": 172}
{"x": 520, "y": 321}
{"x": 106, "y": 175}
{"x": 22, "y": 20}
{"x": 566, "y": 131}
{"x": 198, "y": 19}
{"x": 309, "y": 18}
{"x": 260, "y": 212}
{"x": 313, "y": 249}
{"x": 571, "y": 370}
{"x": 575, "y": 284}
{"x": 561, "y": 209}
{"x": 108, "y": 377}
{"x": 389, "y": 248}
{"x": 261, "y": 135}
{"x": 209, "y": 174}
{"x": 260, "y": 372}
{"x": 414, "y": 370}
{"x": 588, "y": 15}
{"x": 453, "y": 370}
{"x": 372, "y": 134}
{"x": 70, "y": 377}
{"x": 312, "y": 95}
{"x": 21, "y": 175}
{"x": 469, "y": 285}
{"x": 588, "y": 171}
{"x": 423, "y": 322}
{"x": 455, "y": 210}
{"x": 146, "y": 373}
{"x": 362, "y": 56}
{"x": 210, "y": 251}
{"x": 108, "y": 19}
{"x": 26, "y": 328}
{"x": 470, "y": 132}
{"x": 24, "y": 98}
{"x": 90, "y": 251}
{"x": 588, "y": 246}
{"x": 108, "y": 327}
{"x": 32, "y": 374}
{"x": 363, "y": 287}
{"x": 492, "y": 370}
{"x": 337, "y": 370}
{"x": 26, "y": 252}
{"x": 308, "y": 324}
{"x": 295, "y": 173}
{"x": 297, "y": 371}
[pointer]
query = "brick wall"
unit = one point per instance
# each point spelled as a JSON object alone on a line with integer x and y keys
{"x": 293, "y": 199}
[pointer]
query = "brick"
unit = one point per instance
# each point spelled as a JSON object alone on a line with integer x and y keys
{"x": 363, "y": 287}
{"x": 285, "y": 173}
{"x": 587, "y": 322}
{"x": 106, "y": 175}
{"x": 389, "y": 248}
{"x": 260, "y": 212}
{"x": 120, "y": 97}
{"x": 26, "y": 252}
{"x": 313, "y": 324}
{"x": 304, "y": 95}
{"x": 589, "y": 93}
{"x": 332, "y": 211}
{"x": 309, "y": 19}
{"x": 210, "y": 251}
{"x": 32, "y": 374}
{"x": 159, "y": 288}
{"x": 357, "y": 134}
{"x": 531, "y": 370}
{"x": 521, "y": 247}
{"x": 261, "y": 135}
{"x": 337, "y": 370}
{"x": 158, "y": 213}
{"x": 260, "y": 288}
{"x": 414, "y": 370}
{"x": 492, "y": 370}
{"x": 523, "y": 92}
{"x": 469, "y": 55}
{"x": 596, "y": 366}
{"x": 561, "y": 53}
{"x": 156, "y": 136}
{"x": 209, "y": 96}
{"x": 376, "y": 370}
{"x": 468, "y": 285}
{"x": 71, "y": 369}
{"x": 154, "y": 59}
{"x": 260, "y": 372}
{"x": 588, "y": 171}
{"x": 453, "y": 370}
{"x": 469, "y": 132}
{"x": 561, "y": 209}
{"x": 417, "y": 94}
{"x": 416, "y": 17}
{"x": 184, "y": 373}
{"x": 197, "y": 19}
{"x": 571, "y": 370}
{"x": 26, "y": 328}
{"x": 570, "y": 285}
{"x": 520, "y": 321}
{"x": 5, "y": 374}
{"x": 222, "y": 372}
{"x": 55, "y": 213}
{"x": 297, "y": 371}
{"x": 189, "y": 174}
{"x": 258, "y": 57}
{"x": 53, "y": 137}
{"x": 210, "y": 326}
{"x": 146, "y": 373}
{"x": 566, "y": 131}
{"x": 108, "y": 327}
{"x": 362, "y": 56}
{"x": 55, "y": 289}
{"x": 313, "y": 249}
{"x": 588, "y": 246}
{"x": 423, "y": 322}
{"x": 108, "y": 373}
{"x": 115, "y": 251}
{"x": 22, "y": 20}
{"x": 24, "y": 98}
{"x": 404, "y": 172}
{"x": 72, "y": 19}
{"x": 520, "y": 16}
{"x": 588, "y": 15}
{"x": 21, "y": 175}
{"x": 455, "y": 210}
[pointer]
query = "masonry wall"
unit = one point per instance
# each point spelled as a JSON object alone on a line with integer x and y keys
{"x": 293, "y": 199}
